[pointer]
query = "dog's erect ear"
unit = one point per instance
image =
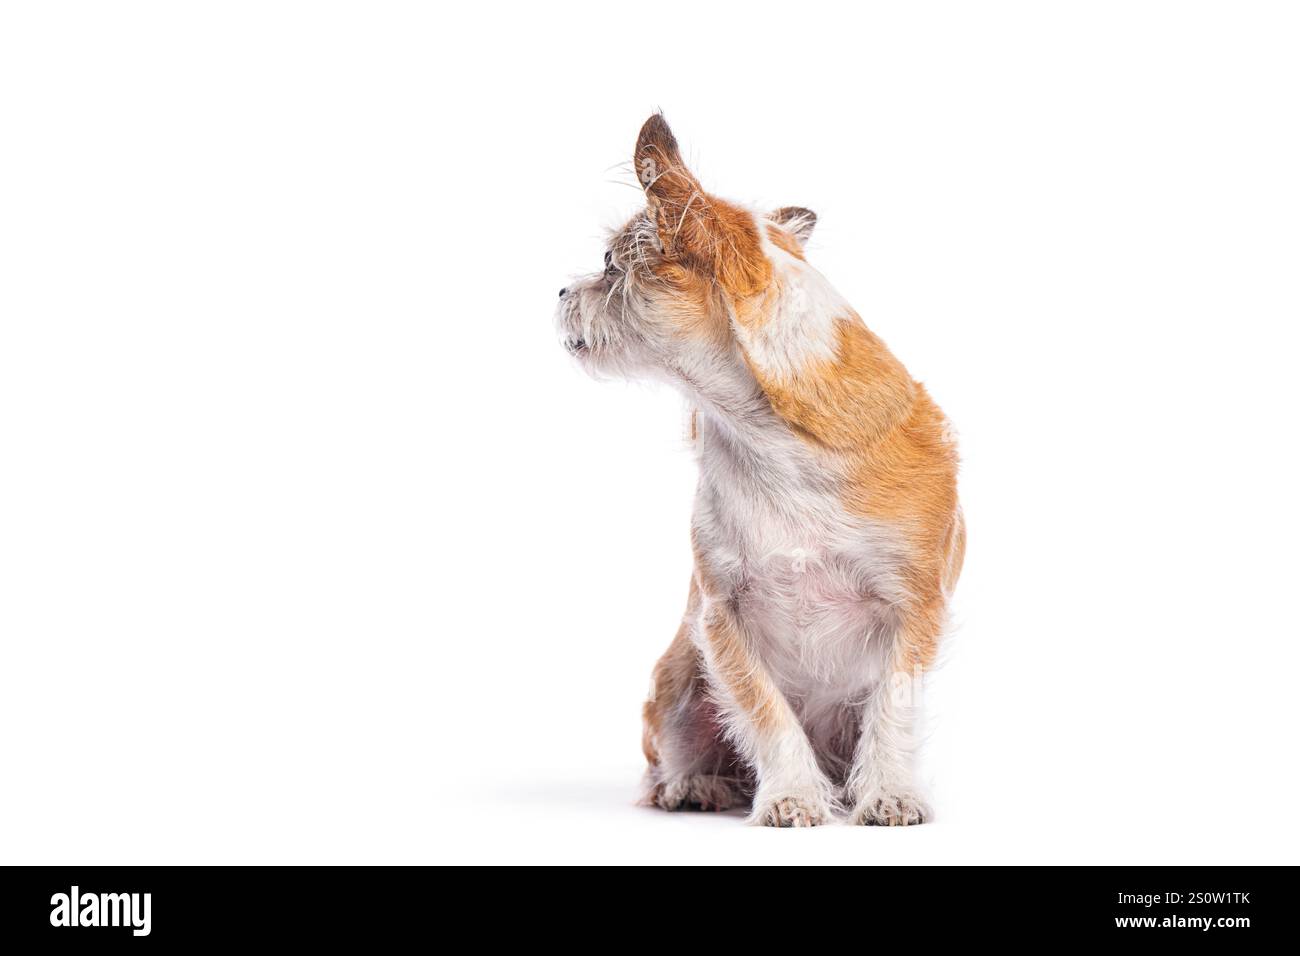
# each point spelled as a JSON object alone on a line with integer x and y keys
{"x": 659, "y": 167}
{"x": 676, "y": 200}
{"x": 700, "y": 230}
{"x": 797, "y": 221}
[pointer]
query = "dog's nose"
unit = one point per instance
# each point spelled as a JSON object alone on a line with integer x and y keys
{"x": 564, "y": 292}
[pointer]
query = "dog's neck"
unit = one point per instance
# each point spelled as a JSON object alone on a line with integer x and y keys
{"x": 720, "y": 386}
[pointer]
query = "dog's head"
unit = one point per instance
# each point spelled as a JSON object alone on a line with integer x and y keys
{"x": 685, "y": 276}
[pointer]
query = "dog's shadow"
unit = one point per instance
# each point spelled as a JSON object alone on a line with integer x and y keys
{"x": 590, "y": 796}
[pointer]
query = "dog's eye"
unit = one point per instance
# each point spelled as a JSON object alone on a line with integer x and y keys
{"x": 610, "y": 268}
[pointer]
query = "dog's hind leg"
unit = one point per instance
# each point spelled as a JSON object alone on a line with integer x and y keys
{"x": 691, "y": 764}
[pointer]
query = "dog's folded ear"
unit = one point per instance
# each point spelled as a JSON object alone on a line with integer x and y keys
{"x": 796, "y": 220}
{"x": 699, "y": 230}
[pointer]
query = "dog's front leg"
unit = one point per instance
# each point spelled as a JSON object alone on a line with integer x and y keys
{"x": 792, "y": 790}
{"x": 882, "y": 784}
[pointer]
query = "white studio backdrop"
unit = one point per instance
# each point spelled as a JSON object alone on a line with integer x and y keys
{"x": 314, "y": 547}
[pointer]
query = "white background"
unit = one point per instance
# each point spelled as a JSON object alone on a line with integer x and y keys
{"x": 314, "y": 547}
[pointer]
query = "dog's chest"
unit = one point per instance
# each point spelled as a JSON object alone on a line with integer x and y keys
{"x": 812, "y": 583}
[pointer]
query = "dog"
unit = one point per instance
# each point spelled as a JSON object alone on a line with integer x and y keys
{"x": 827, "y": 534}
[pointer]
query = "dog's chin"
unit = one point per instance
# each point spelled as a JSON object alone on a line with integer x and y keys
{"x": 582, "y": 355}
{"x": 592, "y": 361}
{"x": 603, "y": 363}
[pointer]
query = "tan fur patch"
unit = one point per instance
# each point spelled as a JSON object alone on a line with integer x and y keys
{"x": 848, "y": 402}
{"x": 783, "y": 240}
{"x": 673, "y": 675}
{"x": 733, "y": 665}
{"x": 896, "y": 460}
{"x": 732, "y": 661}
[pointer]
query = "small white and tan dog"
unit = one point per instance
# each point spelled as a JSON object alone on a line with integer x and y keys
{"x": 826, "y": 531}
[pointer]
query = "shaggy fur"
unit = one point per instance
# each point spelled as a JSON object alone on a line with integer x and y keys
{"x": 826, "y": 530}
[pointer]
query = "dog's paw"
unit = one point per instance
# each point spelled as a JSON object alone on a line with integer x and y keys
{"x": 695, "y": 792}
{"x": 791, "y": 812}
{"x": 884, "y": 809}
